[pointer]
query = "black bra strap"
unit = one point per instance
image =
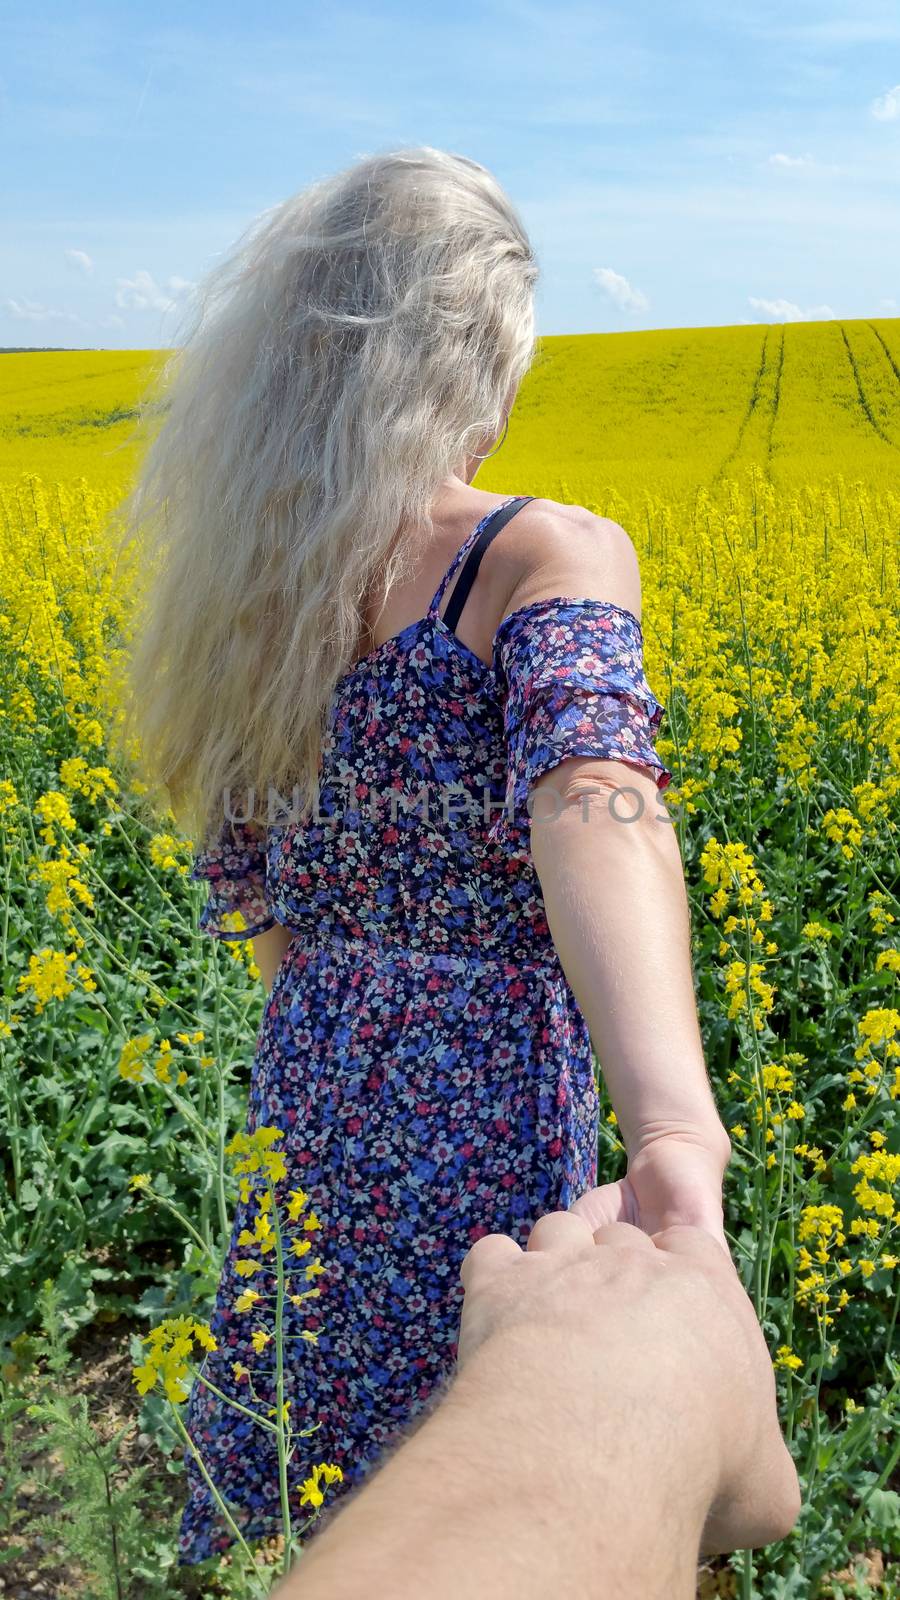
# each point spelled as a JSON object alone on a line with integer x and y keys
{"x": 473, "y": 561}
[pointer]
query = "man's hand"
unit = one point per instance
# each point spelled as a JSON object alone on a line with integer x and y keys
{"x": 672, "y": 1306}
{"x": 612, "y": 1417}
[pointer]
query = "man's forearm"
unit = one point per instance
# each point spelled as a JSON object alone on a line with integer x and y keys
{"x": 509, "y": 1490}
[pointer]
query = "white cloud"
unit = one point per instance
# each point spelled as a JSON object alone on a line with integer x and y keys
{"x": 619, "y": 290}
{"x": 33, "y": 311}
{"x": 888, "y": 305}
{"x": 112, "y": 321}
{"x": 781, "y": 160}
{"x": 786, "y": 311}
{"x": 886, "y": 108}
{"x": 80, "y": 260}
{"x": 143, "y": 293}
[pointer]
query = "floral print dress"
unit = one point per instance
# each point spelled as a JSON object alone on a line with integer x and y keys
{"x": 420, "y": 1048}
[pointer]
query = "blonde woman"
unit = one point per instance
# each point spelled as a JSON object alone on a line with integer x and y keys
{"x": 446, "y": 686}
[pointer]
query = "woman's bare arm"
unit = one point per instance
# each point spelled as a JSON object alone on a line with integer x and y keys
{"x": 616, "y": 905}
{"x": 614, "y": 889}
{"x": 268, "y": 949}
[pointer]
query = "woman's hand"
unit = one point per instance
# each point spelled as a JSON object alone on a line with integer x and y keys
{"x": 673, "y": 1179}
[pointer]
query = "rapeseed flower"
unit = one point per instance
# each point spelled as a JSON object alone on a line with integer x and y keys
{"x": 170, "y": 854}
{"x": 9, "y": 799}
{"x": 132, "y": 1058}
{"x": 95, "y": 783}
{"x": 310, "y": 1489}
{"x": 53, "y": 810}
{"x": 247, "y": 1300}
{"x": 170, "y": 1354}
{"x": 47, "y": 977}
{"x": 881, "y": 917}
{"x": 254, "y": 1153}
{"x": 844, "y": 829}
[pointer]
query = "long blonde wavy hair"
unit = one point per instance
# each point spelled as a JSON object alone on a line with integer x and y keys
{"x": 354, "y": 346}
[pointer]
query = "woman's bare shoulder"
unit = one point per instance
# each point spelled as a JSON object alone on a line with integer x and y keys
{"x": 566, "y": 551}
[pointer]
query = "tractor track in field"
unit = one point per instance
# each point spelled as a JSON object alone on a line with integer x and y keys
{"x": 888, "y": 357}
{"x": 868, "y": 413}
{"x": 77, "y": 377}
{"x": 752, "y": 404}
{"x": 776, "y": 399}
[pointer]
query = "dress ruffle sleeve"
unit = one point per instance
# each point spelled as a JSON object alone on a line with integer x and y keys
{"x": 234, "y": 866}
{"x": 571, "y": 677}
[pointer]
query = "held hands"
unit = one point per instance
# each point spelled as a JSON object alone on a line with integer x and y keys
{"x": 564, "y": 1314}
{"x": 673, "y": 1179}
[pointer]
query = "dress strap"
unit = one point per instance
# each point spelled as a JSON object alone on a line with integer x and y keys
{"x": 473, "y": 547}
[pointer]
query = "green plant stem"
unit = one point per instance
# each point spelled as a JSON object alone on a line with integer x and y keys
{"x": 221, "y": 1128}
{"x": 262, "y": 1422}
{"x": 789, "y": 1300}
{"x": 879, "y": 1483}
{"x": 889, "y": 1339}
{"x": 218, "y": 1499}
{"x": 279, "y": 1384}
{"x": 163, "y": 1201}
{"x": 784, "y": 1155}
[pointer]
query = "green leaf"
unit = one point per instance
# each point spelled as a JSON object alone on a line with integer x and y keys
{"x": 883, "y": 1510}
{"x": 29, "y": 1196}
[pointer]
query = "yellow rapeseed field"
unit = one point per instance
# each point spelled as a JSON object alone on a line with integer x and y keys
{"x": 756, "y": 470}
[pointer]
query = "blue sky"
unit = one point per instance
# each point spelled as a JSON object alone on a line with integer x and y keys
{"x": 676, "y": 165}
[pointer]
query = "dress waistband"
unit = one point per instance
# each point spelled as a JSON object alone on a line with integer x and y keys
{"x": 390, "y": 952}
